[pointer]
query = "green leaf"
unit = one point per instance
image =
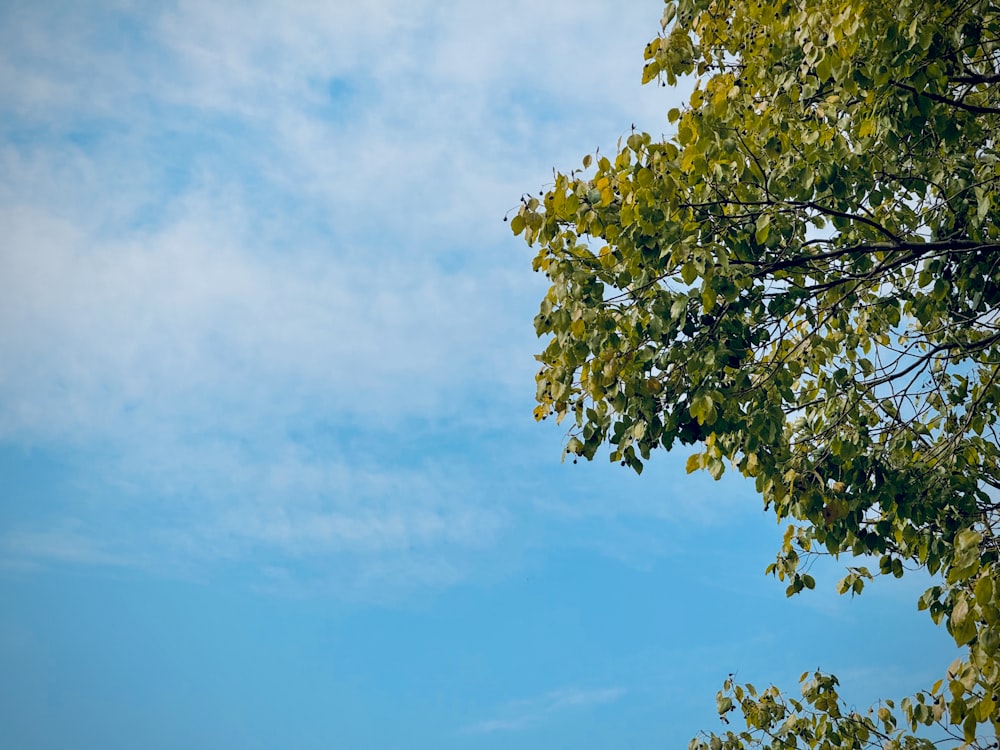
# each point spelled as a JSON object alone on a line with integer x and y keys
{"x": 960, "y": 623}
{"x": 716, "y": 468}
{"x": 763, "y": 228}
{"x": 966, "y": 561}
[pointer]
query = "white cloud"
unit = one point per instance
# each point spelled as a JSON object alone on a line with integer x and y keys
{"x": 306, "y": 523}
{"x": 184, "y": 322}
{"x": 525, "y": 714}
{"x": 207, "y": 251}
{"x": 23, "y": 549}
{"x": 459, "y": 106}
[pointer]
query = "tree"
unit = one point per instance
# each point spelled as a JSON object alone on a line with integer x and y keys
{"x": 803, "y": 282}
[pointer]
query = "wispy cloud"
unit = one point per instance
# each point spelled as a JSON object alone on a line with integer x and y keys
{"x": 67, "y": 543}
{"x": 304, "y": 522}
{"x": 525, "y": 714}
{"x": 92, "y": 329}
{"x": 232, "y": 231}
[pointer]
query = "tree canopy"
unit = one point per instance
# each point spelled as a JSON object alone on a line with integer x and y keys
{"x": 802, "y": 283}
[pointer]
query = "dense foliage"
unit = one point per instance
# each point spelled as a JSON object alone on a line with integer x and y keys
{"x": 803, "y": 283}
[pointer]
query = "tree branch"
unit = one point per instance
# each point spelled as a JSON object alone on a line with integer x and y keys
{"x": 975, "y": 109}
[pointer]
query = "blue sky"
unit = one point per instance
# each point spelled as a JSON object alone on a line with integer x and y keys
{"x": 269, "y": 473}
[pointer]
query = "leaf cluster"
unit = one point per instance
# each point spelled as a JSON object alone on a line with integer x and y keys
{"x": 803, "y": 283}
